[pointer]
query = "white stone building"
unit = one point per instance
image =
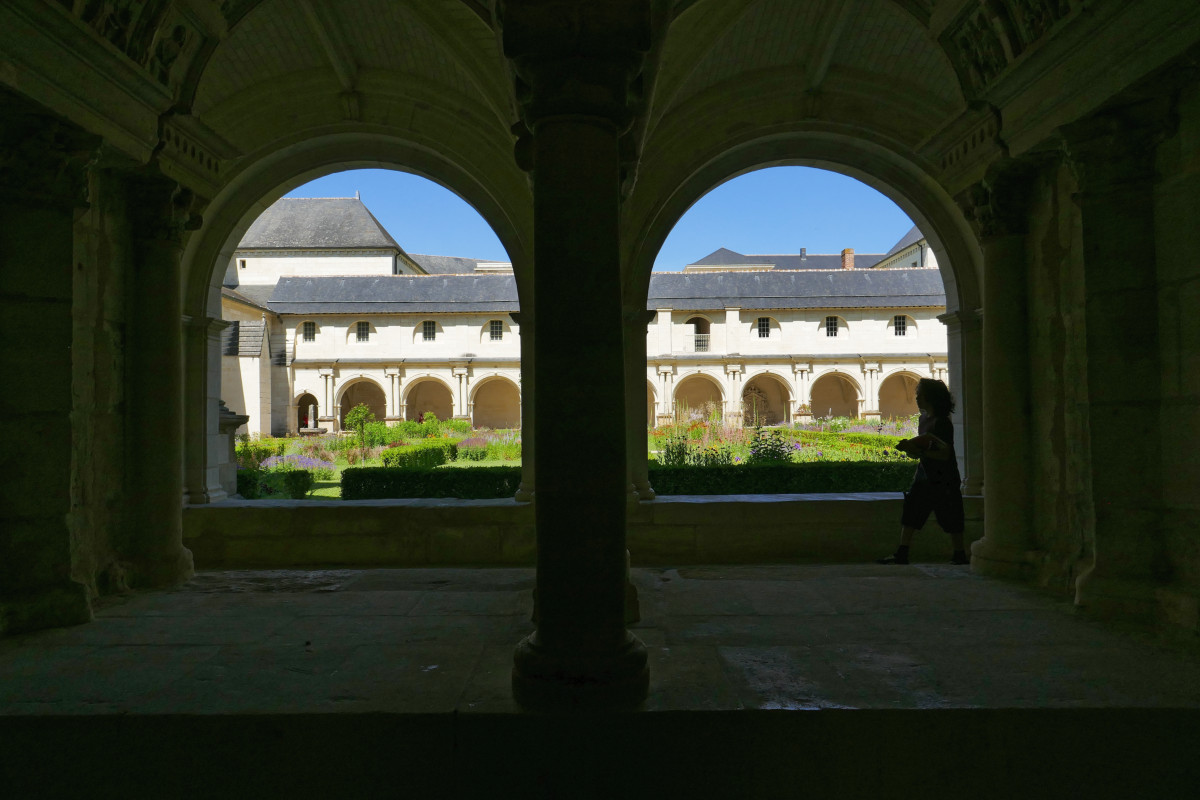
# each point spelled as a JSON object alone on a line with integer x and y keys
{"x": 327, "y": 311}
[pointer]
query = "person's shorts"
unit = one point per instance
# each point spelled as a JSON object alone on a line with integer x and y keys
{"x": 945, "y": 502}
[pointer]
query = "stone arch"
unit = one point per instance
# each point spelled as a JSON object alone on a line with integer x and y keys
{"x": 304, "y": 402}
{"x": 897, "y": 394}
{"x": 701, "y": 333}
{"x": 495, "y": 403}
{"x": 501, "y": 198}
{"x": 361, "y": 389}
{"x": 835, "y": 394}
{"x": 695, "y": 391}
{"x": 766, "y": 400}
{"x": 651, "y": 402}
{"x": 428, "y": 393}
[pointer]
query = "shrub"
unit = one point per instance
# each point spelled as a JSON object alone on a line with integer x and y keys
{"x": 377, "y": 483}
{"x": 782, "y": 478}
{"x": 473, "y": 449}
{"x": 769, "y": 447}
{"x": 504, "y": 451}
{"x": 248, "y": 483}
{"x": 456, "y": 426}
{"x": 252, "y": 452}
{"x": 423, "y": 454}
{"x": 318, "y": 468}
{"x": 298, "y": 482}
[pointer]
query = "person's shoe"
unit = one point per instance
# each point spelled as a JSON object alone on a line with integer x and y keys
{"x": 893, "y": 559}
{"x": 960, "y": 557}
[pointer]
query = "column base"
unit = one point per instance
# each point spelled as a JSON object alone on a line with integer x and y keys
{"x": 52, "y": 607}
{"x": 644, "y": 490}
{"x": 161, "y": 574}
{"x": 1002, "y": 562}
{"x": 1117, "y": 598}
{"x": 553, "y": 680}
{"x": 524, "y": 493}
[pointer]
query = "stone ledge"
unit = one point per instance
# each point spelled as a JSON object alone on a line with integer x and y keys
{"x": 671, "y": 530}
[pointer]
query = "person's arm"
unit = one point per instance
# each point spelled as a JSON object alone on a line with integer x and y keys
{"x": 943, "y": 431}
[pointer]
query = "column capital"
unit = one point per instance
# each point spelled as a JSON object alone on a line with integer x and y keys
{"x": 43, "y": 159}
{"x": 1117, "y": 147}
{"x": 997, "y": 206}
{"x": 161, "y": 208}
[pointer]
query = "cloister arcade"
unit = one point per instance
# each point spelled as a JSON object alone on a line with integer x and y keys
{"x": 1048, "y": 150}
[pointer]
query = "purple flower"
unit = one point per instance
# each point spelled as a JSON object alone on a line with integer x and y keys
{"x": 820, "y": 453}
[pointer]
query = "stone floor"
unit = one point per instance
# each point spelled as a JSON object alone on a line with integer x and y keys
{"x": 851, "y": 681}
{"x": 733, "y": 637}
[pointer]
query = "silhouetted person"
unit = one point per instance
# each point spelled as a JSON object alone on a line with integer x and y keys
{"x": 935, "y": 486}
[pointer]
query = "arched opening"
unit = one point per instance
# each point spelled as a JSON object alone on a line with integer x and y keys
{"x": 765, "y": 401}
{"x": 307, "y": 412}
{"x": 496, "y": 404}
{"x": 428, "y": 396}
{"x": 701, "y": 335}
{"x": 698, "y": 396}
{"x": 834, "y": 395}
{"x": 898, "y": 396}
{"x": 651, "y": 415}
{"x": 363, "y": 391}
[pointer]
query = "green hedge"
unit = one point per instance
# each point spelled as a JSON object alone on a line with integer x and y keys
{"x": 879, "y": 440}
{"x": 423, "y": 454}
{"x": 378, "y": 483}
{"x": 835, "y": 476}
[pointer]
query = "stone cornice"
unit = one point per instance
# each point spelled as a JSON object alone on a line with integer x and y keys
{"x": 43, "y": 159}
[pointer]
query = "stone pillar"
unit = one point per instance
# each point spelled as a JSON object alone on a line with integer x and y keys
{"x": 733, "y": 331}
{"x": 800, "y": 376}
{"x": 393, "y": 397}
{"x": 43, "y": 185}
{"x": 733, "y": 414}
{"x": 998, "y": 207}
{"x": 460, "y": 402}
{"x": 636, "y": 321}
{"x": 964, "y": 343}
{"x": 227, "y": 425}
{"x": 1112, "y": 157}
{"x": 524, "y": 322}
{"x": 574, "y": 70}
{"x": 153, "y": 547}
{"x": 665, "y": 324}
{"x": 202, "y": 450}
{"x": 330, "y": 419}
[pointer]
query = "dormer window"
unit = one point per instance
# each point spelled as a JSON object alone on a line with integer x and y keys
{"x": 363, "y": 332}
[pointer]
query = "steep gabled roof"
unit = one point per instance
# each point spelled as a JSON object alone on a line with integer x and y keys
{"x": 327, "y": 223}
{"x": 912, "y": 237}
{"x": 445, "y": 265}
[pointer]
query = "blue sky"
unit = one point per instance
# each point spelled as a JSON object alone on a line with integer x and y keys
{"x": 774, "y": 210}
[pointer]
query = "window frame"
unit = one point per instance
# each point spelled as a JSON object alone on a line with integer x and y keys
{"x": 305, "y": 328}
{"x": 900, "y": 325}
{"x": 831, "y": 330}
{"x": 496, "y": 330}
{"x": 362, "y": 331}
{"x": 764, "y": 327}
{"x": 428, "y": 330}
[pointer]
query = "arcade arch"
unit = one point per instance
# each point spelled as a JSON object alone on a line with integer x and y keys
{"x": 766, "y": 400}
{"x": 495, "y": 403}
{"x": 365, "y": 391}
{"x": 308, "y": 410}
{"x": 835, "y": 394}
{"x": 898, "y": 395}
{"x": 697, "y": 393}
{"x": 425, "y": 395}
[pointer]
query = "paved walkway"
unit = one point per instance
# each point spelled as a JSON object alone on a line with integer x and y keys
{"x": 719, "y": 638}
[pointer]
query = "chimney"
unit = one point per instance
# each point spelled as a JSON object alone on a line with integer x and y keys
{"x": 803, "y": 253}
{"x": 848, "y": 258}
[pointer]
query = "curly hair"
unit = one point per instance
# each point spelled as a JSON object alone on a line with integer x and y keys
{"x": 938, "y": 396}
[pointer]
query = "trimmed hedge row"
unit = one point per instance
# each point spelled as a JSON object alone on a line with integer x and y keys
{"x": 379, "y": 483}
{"x": 877, "y": 440}
{"x": 836, "y": 476}
{"x": 422, "y": 454}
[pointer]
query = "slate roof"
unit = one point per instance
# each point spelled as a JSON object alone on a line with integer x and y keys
{"x": 331, "y": 223}
{"x": 243, "y": 338}
{"x": 251, "y": 294}
{"x": 837, "y": 288}
{"x": 445, "y": 265}
{"x": 409, "y": 294}
{"x": 394, "y": 294}
{"x": 912, "y": 237}
{"x": 787, "y": 261}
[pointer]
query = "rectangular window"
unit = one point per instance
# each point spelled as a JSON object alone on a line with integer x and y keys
{"x": 241, "y": 263}
{"x": 901, "y": 324}
{"x": 764, "y": 327}
{"x": 496, "y": 330}
{"x": 310, "y": 331}
{"x": 364, "y": 331}
{"x": 831, "y": 325}
{"x": 428, "y": 330}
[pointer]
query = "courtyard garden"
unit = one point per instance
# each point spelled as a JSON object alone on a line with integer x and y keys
{"x": 697, "y": 454}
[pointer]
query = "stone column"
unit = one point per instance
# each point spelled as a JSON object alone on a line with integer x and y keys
{"x": 1112, "y": 157}
{"x": 203, "y": 442}
{"x": 636, "y": 322}
{"x": 393, "y": 398}
{"x": 43, "y": 185}
{"x": 461, "y": 400}
{"x": 329, "y": 420}
{"x": 733, "y": 330}
{"x": 963, "y": 335}
{"x": 159, "y": 209}
{"x": 998, "y": 207}
{"x": 665, "y": 324}
{"x": 524, "y": 322}
{"x": 733, "y": 414}
{"x": 574, "y": 70}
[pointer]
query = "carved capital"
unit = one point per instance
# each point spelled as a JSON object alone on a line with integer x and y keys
{"x": 43, "y": 160}
{"x": 1117, "y": 148}
{"x": 577, "y": 57}
{"x": 160, "y": 209}
{"x": 998, "y": 204}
